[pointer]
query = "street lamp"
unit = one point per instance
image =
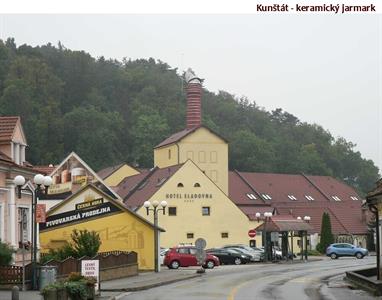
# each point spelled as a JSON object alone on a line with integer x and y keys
{"x": 267, "y": 216}
{"x": 307, "y": 220}
{"x": 39, "y": 180}
{"x": 155, "y": 211}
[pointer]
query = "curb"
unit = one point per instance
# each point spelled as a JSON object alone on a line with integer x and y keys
{"x": 147, "y": 286}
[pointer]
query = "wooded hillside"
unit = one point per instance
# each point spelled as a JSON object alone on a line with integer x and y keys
{"x": 110, "y": 111}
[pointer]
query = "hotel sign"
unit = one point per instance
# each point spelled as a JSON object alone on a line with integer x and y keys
{"x": 69, "y": 217}
{"x": 189, "y": 196}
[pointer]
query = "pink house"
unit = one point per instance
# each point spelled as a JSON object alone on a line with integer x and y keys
{"x": 15, "y": 214}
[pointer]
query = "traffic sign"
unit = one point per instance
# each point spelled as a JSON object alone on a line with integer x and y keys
{"x": 201, "y": 256}
{"x": 200, "y": 243}
{"x": 252, "y": 233}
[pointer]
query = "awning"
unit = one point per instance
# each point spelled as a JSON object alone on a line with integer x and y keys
{"x": 285, "y": 224}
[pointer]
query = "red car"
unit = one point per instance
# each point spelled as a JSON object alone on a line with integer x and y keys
{"x": 186, "y": 256}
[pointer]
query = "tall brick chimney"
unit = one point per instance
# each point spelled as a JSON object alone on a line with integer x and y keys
{"x": 194, "y": 99}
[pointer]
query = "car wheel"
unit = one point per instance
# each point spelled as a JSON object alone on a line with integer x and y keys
{"x": 333, "y": 256}
{"x": 237, "y": 261}
{"x": 174, "y": 264}
{"x": 359, "y": 255}
{"x": 210, "y": 264}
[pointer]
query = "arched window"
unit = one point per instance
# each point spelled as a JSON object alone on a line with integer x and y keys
{"x": 196, "y": 185}
{"x": 180, "y": 184}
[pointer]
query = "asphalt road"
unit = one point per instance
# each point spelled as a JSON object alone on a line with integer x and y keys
{"x": 298, "y": 281}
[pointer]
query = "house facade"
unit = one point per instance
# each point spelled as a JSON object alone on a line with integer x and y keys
{"x": 15, "y": 213}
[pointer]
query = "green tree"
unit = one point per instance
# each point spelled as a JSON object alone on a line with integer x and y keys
{"x": 6, "y": 252}
{"x": 326, "y": 235}
{"x": 85, "y": 243}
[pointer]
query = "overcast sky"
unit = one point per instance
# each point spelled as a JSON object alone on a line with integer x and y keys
{"x": 324, "y": 69}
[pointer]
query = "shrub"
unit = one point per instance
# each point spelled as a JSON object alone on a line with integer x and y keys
{"x": 75, "y": 276}
{"x": 85, "y": 243}
{"x": 77, "y": 290}
{"x": 6, "y": 252}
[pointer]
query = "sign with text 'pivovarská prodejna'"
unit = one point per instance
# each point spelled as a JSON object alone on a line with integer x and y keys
{"x": 78, "y": 215}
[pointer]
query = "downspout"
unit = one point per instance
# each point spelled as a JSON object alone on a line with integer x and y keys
{"x": 177, "y": 145}
{"x": 374, "y": 210}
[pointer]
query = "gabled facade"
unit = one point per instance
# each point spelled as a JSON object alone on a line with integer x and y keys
{"x": 92, "y": 209}
{"x": 70, "y": 176}
{"x": 205, "y": 148}
{"x": 112, "y": 176}
{"x": 197, "y": 207}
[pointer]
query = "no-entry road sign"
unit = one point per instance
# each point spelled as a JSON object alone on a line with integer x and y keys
{"x": 252, "y": 233}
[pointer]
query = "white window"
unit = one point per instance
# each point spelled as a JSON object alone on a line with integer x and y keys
{"x": 336, "y": 198}
{"x": 310, "y": 198}
{"x": 291, "y": 197}
{"x": 251, "y": 196}
{"x": 353, "y": 198}
{"x": 190, "y": 155}
{"x": 214, "y": 157}
{"x": 23, "y": 225}
{"x": 202, "y": 156}
{"x": 267, "y": 197}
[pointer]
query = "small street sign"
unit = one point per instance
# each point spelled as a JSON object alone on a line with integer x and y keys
{"x": 274, "y": 236}
{"x": 90, "y": 268}
{"x": 200, "y": 243}
{"x": 252, "y": 233}
{"x": 201, "y": 256}
{"x": 41, "y": 213}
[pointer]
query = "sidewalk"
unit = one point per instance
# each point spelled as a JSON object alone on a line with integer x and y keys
{"x": 112, "y": 288}
{"x": 148, "y": 280}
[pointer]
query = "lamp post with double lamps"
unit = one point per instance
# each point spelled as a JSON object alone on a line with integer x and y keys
{"x": 307, "y": 220}
{"x": 155, "y": 211}
{"x": 267, "y": 217}
{"x": 39, "y": 180}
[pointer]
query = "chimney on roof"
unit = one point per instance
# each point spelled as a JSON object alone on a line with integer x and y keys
{"x": 194, "y": 99}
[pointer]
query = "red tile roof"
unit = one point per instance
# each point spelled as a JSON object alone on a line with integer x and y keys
{"x": 7, "y": 128}
{"x": 135, "y": 190}
{"x": 44, "y": 169}
{"x": 176, "y": 137}
{"x": 240, "y": 191}
{"x": 346, "y": 215}
{"x": 333, "y": 187}
{"x": 250, "y": 211}
{"x": 285, "y": 223}
{"x": 280, "y": 186}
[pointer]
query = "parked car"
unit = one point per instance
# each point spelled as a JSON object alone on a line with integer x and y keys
{"x": 229, "y": 256}
{"x": 343, "y": 249}
{"x": 162, "y": 254}
{"x": 252, "y": 255}
{"x": 257, "y": 255}
{"x": 277, "y": 253}
{"x": 185, "y": 256}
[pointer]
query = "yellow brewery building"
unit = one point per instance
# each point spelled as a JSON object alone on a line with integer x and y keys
{"x": 207, "y": 200}
{"x": 92, "y": 209}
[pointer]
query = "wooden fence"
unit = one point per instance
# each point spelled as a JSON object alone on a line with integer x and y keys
{"x": 14, "y": 274}
{"x": 112, "y": 264}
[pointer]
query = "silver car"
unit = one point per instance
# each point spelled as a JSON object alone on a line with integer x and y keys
{"x": 256, "y": 255}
